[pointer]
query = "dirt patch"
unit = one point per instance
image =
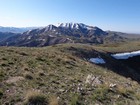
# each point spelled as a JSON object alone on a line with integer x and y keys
{"x": 14, "y": 79}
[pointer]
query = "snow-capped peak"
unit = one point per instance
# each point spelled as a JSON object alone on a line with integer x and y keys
{"x": 69, "y": 25}
{"x": 75, "y": 26}
{"x": 49, "y": 27}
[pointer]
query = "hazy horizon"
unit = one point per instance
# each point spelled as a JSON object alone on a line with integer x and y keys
{"x": 120, "y": 15}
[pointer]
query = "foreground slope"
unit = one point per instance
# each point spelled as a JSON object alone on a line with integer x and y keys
{"x": 64, "y": 75}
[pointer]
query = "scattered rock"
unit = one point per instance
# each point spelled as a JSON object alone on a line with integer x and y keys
{"x": 128, "y": 85}
{"x": 118, "y": 96}
{"x": 61, "y": 90}
{"x": 79, "y": 88}
{"x": 112, "y": 85}
{"x": 93, "y": 80}
{"x": 10, "y": 91}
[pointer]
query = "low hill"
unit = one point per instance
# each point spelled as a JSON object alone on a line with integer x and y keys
{"x": 126, "y": 35}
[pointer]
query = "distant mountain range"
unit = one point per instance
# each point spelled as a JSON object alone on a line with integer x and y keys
{"x": 63, "y": 33}
{"x": 15, "y": 30}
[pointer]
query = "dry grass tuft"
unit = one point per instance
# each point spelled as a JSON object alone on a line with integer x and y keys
{"x": 53, "y": 100}
{"x": 35, "y": 98}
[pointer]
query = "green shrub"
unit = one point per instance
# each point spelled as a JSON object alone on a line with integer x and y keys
{"x": 101, "y": 94}
{"x": 28, "y": 76}
{"x": 1, "y": 75}
{"x": 76, "y": 100}
{"x": 1, "y": 93}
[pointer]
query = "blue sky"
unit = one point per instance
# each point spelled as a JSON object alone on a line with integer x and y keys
{"x": 117, "y": 15}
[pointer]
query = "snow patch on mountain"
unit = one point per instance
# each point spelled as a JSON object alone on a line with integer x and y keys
{"x": 97, "y": 60}
{"x": 126, "y": 55}
{"x": 50, "y": 27}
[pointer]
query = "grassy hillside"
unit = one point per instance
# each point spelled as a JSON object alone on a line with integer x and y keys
{"x": 63, "y": 75}
{"x": 120, "y": 47}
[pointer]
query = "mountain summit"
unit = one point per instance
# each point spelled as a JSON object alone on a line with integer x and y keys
{"x": 63, "y": 33}
{"x": 75, "y": 26}
{"x": 71, "y": 29}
